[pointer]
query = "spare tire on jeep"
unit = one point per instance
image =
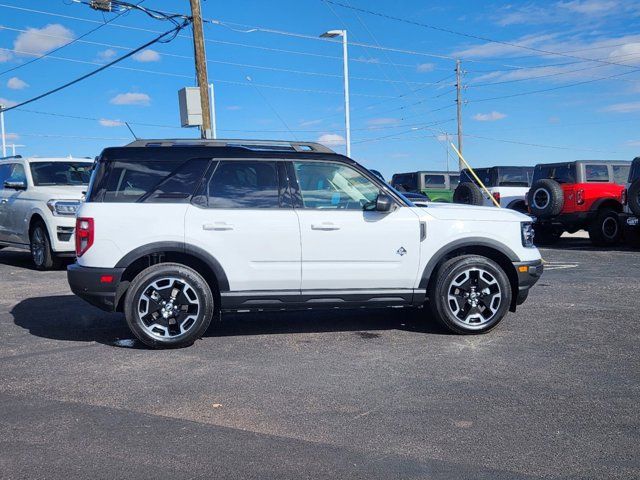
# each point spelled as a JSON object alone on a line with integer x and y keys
{"x": 467, "y": 193}
{"x": 633, "y": 197}
{"x": 546, "y": 198}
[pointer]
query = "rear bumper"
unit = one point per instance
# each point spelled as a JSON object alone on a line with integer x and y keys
{"x": 93, "y": 285}
{"x": 528, "y": 274}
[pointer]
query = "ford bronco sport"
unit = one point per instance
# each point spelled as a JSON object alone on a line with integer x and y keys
{"x": 507, "y": 185}
{"x": 630, "y": 217}
{"x": 174, "y": 231}
{"x": 586, "y": 194}
{"x": 438, "y": 186}
{"x": 38, "y": 202}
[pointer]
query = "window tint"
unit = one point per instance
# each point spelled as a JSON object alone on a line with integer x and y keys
{"x": 559, "y": 173}
{"x": 405, "y": 182}
{"x": 596, "y": 173}
{"x": 16, "y": 173}
{"x": 60, "y": 173}
{"x": 152, "y": 181}
{"x": 621, "y": 173}
{"x": 484, "y": 174}
{"x": 5, "y": 169}
{"x": 454, "y": 180}
{"x": 432, "y": 181}
{"x": 515, "y": 176}
{"x": 327, "y": 185}
{"x": 244, "y": 184}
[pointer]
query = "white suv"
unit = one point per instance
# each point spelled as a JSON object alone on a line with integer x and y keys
{"x": 173, "y": 232}
{"x": 38, "y": 202}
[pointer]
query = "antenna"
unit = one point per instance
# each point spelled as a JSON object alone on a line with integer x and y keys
{"x": 131, "y": 130}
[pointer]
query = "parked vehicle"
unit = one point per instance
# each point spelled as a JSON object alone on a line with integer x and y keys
{"x": 438, "y": 186}
{"x": 416, "y": 198}
{"x": 571, "y": 196}
{"x": 174, "y": 231}
{"x": 630, "y": 217}
{"x": 38, "y": 202}
{"x": 507, "y": 185}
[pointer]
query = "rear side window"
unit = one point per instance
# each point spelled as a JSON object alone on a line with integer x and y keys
{"x": 621, "y": 173}
{"x": 514, "y": 176}
{"x": 405, "y": 182}
{"x": 244, "y": 184}
{"x": 434, "y": 181}
{"x": 149, "y": 181}
{"x": 484, "y": 174}
{"x": 596, "y": 173}
{"x": 559, "y": 173}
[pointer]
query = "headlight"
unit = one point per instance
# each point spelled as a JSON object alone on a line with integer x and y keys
{"x": 67, "y": 208}
{"x": 527, "y": 234}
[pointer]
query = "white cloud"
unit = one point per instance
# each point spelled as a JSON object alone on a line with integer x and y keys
{"x": 5, "y": 56}
{"x": 628, "y": 53}
{"x": 147, "y": 56}
{"x": 6, "y": 103}
{"x": 310, "y": 123}
{"x": 589, "y": 7}
{"x": 105, "y": 122}
{"x": 106, "y": 55}
{"x": 130, "y": 98}
{"x": 15, "y": 83}
{"x": 633, "y": 143}
{"x": 37, "y": 41}
{"x": 331, "y": 139}
{"x": 489, "y": 117}
{"x": 628, "y": 107}
{"x": 425, "y": 67}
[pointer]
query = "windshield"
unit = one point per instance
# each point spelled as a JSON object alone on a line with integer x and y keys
{"x": 61, "y": 173}
{"x": 515, "y": 176}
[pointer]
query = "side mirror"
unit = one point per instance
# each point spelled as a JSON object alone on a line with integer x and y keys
{"x": 15, "y": 185}
{"x": 383, "y": 203}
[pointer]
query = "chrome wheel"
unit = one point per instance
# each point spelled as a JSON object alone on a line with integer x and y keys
{"x": 168, "y": 307}
{"x": 38, "y": 246}
{"x": 474, "y": 297}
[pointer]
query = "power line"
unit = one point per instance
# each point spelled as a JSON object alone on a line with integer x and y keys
{"x": 98, "y": 70}
{"x": 468, "y": 35}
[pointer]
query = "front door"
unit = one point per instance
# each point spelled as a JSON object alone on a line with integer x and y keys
{"x": 345, "y": 244}
{"x": 245, "y": 220}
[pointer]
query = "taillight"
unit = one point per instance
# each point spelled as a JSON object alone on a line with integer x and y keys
{"x": 496, "y": 196}
{"x": 580, "y": 196}
{"x": 84, "y": 235}
{"x": 624, "y": 196}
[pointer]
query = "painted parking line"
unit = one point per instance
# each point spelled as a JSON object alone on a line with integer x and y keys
{"x": 559, "y": 266}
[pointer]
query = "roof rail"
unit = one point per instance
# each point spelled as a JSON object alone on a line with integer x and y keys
{"x": 10, "y": 156}
{"x": 268, "y": 145}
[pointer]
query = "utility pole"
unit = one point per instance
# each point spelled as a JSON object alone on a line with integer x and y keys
{"x": 4, "y": 139}
{"x": 214, "y": 128}
{"x": 459, "y": 104}
{"x": 201, "y": 67}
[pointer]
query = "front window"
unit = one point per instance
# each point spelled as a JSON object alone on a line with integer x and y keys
{"x": 596, "y": 173}
{"x": 621, "y": 174}
{"x": 60, "y": 173}
{"x": 434, "y": 181}
{"x": 325, "y": 185}
{"x": 12, "y": 172}
{"x": 484, "y": 174}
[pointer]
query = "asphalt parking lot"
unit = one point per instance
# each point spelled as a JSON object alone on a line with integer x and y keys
{"x": 552, "y": 392}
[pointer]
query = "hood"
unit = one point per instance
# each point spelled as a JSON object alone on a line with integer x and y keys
{"x": 59, "y": 192}
{"x": 455, "y": 211}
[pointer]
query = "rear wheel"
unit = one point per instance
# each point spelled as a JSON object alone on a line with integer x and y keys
{"x": 467, "y": 193}
{"x": 40, "y": 246}
{"x": 169, "y": 306}
{"x": 470, "y": 294}
{"x": 605, "y": 228}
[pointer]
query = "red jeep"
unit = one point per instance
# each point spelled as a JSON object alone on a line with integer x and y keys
{"x": 586, "y": 194}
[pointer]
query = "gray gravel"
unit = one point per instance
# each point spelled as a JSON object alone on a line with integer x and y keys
{"x": 551, "y": 393}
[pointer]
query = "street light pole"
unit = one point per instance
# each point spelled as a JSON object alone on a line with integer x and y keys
{"x": 345, "y": 60}
{"x": 214, "y": 127}
{"x": 4, "y": 139}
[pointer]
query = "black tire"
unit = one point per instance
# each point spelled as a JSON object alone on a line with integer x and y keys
{"x": 546, "y": 198}
{"x": 633, "y": 197}
{"x": 40, "y": 247}
{"x": 545, "y": 235}
{"x": 468, "y": 193}
{"x": 605, "y": 229}
{"x": 154, "y": 289}
{"x": 455, "y": 279}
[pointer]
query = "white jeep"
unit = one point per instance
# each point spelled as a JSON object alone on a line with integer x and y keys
{"x": 175, "y": 231}
{"x": 38, "y": 202}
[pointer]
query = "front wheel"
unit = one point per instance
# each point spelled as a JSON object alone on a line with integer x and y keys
{"x": 605, "y": 229}
{"x": 168, "y": 305}
{"x": 40, "y": 246}
{"x": 470, "y": 294}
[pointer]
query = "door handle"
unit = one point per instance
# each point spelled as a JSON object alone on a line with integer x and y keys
{"x": 325, "y": 226}
{"x": 218, "y": 226}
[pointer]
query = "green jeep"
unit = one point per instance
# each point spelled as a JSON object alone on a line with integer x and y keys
{"x": 438, "y": 186}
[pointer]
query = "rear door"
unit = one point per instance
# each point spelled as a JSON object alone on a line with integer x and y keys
{"x": 15, "y": 205}
{"x": 344, "y": 245}
{"x": 5, "y": 168}
{"x": 245, "y": 220}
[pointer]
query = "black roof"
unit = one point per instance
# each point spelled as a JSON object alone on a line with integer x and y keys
{"x": 607, "y": 162}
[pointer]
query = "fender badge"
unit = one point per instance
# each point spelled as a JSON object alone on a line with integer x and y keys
{"x": 401, "y": 251}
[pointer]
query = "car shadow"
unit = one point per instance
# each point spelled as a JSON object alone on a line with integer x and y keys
{"x": 584, "y": 244}
{"x": 67, "y": 318}
{"x": 22, "y": 259}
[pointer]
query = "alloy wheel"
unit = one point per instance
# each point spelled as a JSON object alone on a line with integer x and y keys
{"x": 38, "y": 246}
{"x": 474, "y": 297}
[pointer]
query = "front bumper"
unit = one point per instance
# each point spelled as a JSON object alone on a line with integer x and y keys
{"x": 528, "y": 274}
{"x": 100, "y": 287}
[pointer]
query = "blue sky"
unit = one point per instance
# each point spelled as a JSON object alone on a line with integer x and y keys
{"x": 403, "y": 93}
